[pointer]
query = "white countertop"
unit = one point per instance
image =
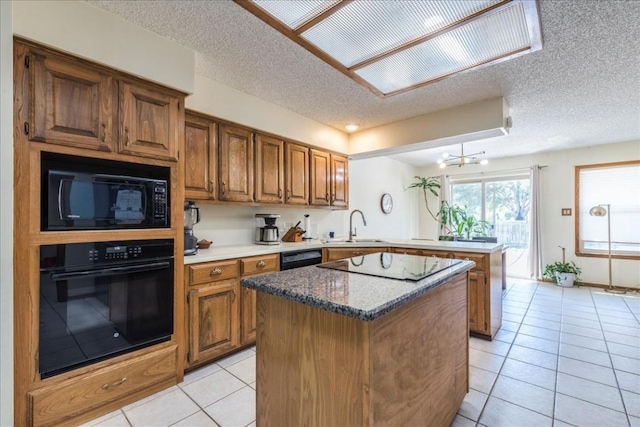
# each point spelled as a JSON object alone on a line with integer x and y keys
{"x": 217, "y": 253}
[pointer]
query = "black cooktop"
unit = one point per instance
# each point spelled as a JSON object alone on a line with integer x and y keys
{"x": 392, "y": 266}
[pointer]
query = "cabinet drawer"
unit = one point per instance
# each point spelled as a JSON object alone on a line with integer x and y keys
{"x": 334, "y": 254}
{"x": 212, "y": 271}
{"x": 479, "y": 259}
{"x": 407, "y": 251}
{"x": 52, "y": 405}
{"x": 259, "y": 264}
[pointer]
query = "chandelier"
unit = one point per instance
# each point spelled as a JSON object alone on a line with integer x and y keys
{"x": 461, "y": 160}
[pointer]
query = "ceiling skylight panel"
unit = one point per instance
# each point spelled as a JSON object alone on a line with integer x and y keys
{"x": 478, "y": 42}
{"x": 364, "y": 29}
{"x": 294, "y": 13}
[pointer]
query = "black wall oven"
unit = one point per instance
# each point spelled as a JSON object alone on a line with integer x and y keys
{"x": 84, "y": 193}
{"x": 99, "y": 300}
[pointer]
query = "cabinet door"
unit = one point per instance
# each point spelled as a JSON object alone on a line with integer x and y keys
{"x": 236, "y": 164}
{"x": 70, "y": 104}
{"x": 149, "y": 122}
{"x": 248, "y": 323}
{"x": 200, "y": 148}
{"x": 297, "y": 179}
{"x": 477, "y": 306}
{"x": 339, "y": 181}
{"x": 269, "y": 169}
{"x": 320, "y": 178}
{"x": 213, "y": 320}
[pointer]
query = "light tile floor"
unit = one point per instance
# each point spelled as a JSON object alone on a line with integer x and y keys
{"x": 564, "y": 357}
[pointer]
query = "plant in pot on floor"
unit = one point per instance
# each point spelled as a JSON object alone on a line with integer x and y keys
{"x": 565, "y": 274}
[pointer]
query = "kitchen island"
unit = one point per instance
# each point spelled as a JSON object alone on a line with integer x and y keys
{"x": 339, "y": 348}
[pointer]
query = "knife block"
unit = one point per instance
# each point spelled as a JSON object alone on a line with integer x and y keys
{"x": 294, "y": 234}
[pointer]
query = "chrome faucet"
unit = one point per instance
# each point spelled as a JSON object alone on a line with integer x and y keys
{"x": 352, "y": 231}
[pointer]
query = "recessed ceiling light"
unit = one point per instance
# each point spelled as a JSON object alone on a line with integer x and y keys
{"x": 351, "y": 127}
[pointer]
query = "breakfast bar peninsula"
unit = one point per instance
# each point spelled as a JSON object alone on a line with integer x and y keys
{"x": 375, "y": 340}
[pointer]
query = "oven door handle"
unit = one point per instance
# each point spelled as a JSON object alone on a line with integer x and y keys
{"x": 111, "y": 271}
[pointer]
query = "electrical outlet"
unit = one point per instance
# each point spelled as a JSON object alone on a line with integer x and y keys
{"x": 566, "y": 211}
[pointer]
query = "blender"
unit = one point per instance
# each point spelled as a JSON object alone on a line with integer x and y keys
{"x": 191, "y": 218}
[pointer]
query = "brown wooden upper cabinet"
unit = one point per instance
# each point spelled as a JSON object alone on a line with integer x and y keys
{"x": 200, "y": 158}
{"x": 339, "y": 181}
{"x": 69, "y": 103}
{"x": 149, "y": 122}
{"x": 329, "y": 179}
{"x": 75, "y": 103}
{"x": 269, "y": 169}
{"x": 320, "y": 178}
{"x": 236, "y": 164}
{"x": 297, "y": 174}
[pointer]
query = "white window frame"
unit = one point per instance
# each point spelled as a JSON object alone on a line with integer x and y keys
{"x": 582, "y": 213}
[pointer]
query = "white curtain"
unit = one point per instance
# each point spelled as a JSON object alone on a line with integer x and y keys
{"x": 535, "y": 235}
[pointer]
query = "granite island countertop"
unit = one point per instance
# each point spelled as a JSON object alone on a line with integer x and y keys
{"x": 354, "y": 295}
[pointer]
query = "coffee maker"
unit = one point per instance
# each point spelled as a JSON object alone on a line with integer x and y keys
{"x": 266, "y": 231}
{"x": 191, "y": 218}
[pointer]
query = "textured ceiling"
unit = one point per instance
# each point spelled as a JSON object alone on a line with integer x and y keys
{"x": 581, "y": 89}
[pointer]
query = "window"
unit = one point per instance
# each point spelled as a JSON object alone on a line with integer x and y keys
{"x": 504, "y": 202}
{"x": 617, "y": 187}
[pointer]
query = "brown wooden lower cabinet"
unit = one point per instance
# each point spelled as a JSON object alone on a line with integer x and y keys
{"x": 221, "y": 314}
{"x": 254, "y": 266}
{"x": 72, "y": 402}
{"x": 213, "y": 319}
{"x": 485, "y": 287}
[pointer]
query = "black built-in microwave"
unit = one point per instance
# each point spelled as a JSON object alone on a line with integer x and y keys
{"x": 80, "y": 193}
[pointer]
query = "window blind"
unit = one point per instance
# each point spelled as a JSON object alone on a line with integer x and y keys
{"x": 617, "y": 185}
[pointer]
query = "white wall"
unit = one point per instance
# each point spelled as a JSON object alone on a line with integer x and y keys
{"x": 92, "y": 33}
{"x": 6, "y": 215}
{"x": 482, "y": 119}
{"x": 368, "y": 180}
{"x": 221, "y": 101}
{"x": 557, "y": 188}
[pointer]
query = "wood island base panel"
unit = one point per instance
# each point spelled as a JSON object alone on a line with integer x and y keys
{"x": 321, "y": 368}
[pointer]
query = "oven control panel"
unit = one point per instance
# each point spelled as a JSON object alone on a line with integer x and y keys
{"x": 77, "y": 254}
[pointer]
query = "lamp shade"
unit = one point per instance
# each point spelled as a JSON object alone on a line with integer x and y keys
{"x": 597, "y": 211}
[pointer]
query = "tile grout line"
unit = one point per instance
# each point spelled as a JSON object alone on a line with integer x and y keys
{"x": 615, "y": 375}
{"x": 489, "y": 395}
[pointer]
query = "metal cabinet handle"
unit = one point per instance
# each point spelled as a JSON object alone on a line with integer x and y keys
{"x": 233, "y": 295}
{"x": 215, "y": 272}
{"x": 104, "y": 132}
{"x": 126, "y": 135}
{"x": 288, "y": 194}
{"x": 326, "y": 197}
{"x": 333, "y": 198}
{"x": 357, "y": 252}
{"x": 114, "y": 384}
{"x": 223, "y": 187}
{"x": 261, "y": 264}
{"x": 279, "y": 193}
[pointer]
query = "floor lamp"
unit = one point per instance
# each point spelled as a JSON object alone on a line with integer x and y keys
{"x": 600, "y": 210}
